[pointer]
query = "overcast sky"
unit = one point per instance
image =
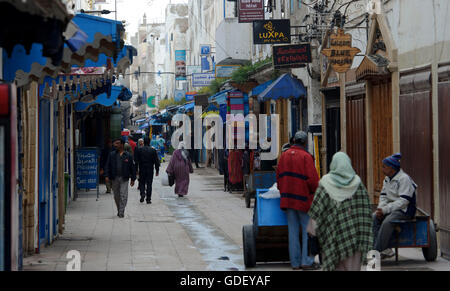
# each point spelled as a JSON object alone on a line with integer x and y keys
{"x": 132, "y": 11}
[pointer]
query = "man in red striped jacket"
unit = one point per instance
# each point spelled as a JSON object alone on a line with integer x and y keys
{"x": 297, "y": 181}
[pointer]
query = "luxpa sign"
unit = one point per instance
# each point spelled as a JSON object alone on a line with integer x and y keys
{"x": 272, "y": 31}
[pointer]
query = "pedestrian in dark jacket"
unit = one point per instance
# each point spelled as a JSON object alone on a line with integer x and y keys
{"x": 146, "y": 158}
{"x": 120, "y": 169}
{"x": 297, "y": 180}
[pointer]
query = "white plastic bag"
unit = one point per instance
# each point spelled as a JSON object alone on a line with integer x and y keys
{"x": 273, "y": 193}
{"x": 164, "y": 179}
{"x": 312, "y": 226}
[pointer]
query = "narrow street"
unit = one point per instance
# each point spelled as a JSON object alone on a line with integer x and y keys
{"x": 202, "y": 232}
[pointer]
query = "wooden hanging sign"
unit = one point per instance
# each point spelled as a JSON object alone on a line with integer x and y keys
{"x": 341, "y": 53}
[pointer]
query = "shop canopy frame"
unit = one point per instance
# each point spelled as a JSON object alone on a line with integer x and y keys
{"x": 286, "y": 86}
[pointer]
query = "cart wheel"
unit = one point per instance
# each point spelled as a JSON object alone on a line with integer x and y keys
{"x": 430, "y": 253}
{"x": 249, "y": 246}
{"x": 247, "y": 199}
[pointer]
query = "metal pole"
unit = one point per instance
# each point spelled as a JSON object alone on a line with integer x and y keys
{"x": 115, "y": 8}
{"x": 343, "y": 112}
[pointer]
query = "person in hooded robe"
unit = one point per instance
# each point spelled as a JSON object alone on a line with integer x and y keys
{"x": 180, "y": 167}
{"x": 342, "y": 212}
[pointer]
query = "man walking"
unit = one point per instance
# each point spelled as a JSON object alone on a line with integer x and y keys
{"x": 397, "y": 202}
{"x": 297, "y": 181}
{"x": 120, "y": 169}
{"x": 146, "y": 158}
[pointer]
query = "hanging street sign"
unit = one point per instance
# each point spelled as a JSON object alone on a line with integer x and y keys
{"x": 205, "y": 50}
{"x": 341, "y": 53}
{"x": 272, "y": 31}
{"x": 291, "y": 56}
{"x": 250, "y": 10}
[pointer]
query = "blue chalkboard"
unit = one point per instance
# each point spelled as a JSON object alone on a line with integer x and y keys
{"x": 87, "y": 163}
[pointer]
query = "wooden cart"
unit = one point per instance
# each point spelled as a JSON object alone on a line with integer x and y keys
{"x": 258, "y": 180}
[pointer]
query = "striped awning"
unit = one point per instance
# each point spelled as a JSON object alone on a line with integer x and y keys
{"x": 98, "y": 43}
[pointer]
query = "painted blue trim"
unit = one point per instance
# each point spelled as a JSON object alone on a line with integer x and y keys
{"x": 44, "y": 169}
{"x": 102, "y": 99}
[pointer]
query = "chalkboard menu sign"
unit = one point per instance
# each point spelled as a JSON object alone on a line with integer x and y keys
{"x": 291, "y": 56}
{"x": 87, "y": 164}
{"x": 275, "y": 31}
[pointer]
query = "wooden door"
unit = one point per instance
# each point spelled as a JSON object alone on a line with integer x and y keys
{"x": 356, "y": 135}
{"x": 333, "y": 121}
{"x": 381, "y": 127}
{"x": 416, "y": 142}
{"x": 444, "y": 168}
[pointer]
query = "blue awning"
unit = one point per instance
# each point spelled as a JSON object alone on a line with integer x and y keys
{"x": 77, "y": 38}
{"x": 211, "y": 107}
{"x": 95, "y": 39}
{"x": 285, "y": 86}
{"x": 156, "y": 123}
{"x": 102, "y": 99}
{"x": 141, "y": 120}
{"x": 259, "y": 89}
{"x": 219, "y": 98}
{"x": 189, "y": 107}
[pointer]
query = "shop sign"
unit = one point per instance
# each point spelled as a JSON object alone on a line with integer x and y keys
{"x": 205, "y": 64}
{"x": 179, "y": 95}
{"x": 272, "y": 31}
{"x": 341, "y": 53}
{"x": 291, "y": 56}
{"x": 180, "y": 65}
{"x": 190, "y": 70}
{"x": 202, "y": 80}
{"x": 87, "y": 168}
{"x": 226, "y": 71}
{"x": 251, "y": 10}
{"x": 151, "y": 102}
{"x": 190, "y": 96}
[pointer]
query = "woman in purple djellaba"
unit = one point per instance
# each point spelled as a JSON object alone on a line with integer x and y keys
{"x": 180, "y": 166}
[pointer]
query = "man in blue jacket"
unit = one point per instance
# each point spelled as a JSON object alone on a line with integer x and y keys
{"x": 119, "y": 170}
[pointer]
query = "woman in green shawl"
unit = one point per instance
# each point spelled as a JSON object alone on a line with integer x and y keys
{"x": 343, "y": 215}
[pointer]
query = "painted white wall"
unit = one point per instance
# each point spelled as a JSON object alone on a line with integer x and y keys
{"x": 229, "y": 43}
{"x": 175, "y": 36}
{"x": 418, "y": 28}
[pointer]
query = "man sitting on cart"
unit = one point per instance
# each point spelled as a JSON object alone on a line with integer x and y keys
{"x": 397, "y": 202}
